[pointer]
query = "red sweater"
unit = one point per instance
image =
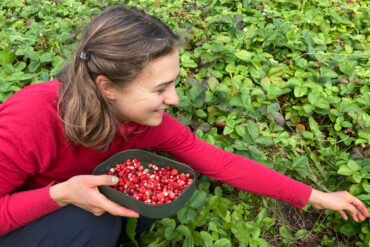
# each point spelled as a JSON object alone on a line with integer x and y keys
{"x": 34, "y": 154}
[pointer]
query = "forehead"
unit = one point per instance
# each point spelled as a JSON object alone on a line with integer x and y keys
{"x": 160, "y": 70}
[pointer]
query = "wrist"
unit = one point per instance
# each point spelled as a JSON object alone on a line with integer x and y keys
{"x": 58, "y": 195}
{"x": 316, "y": 199}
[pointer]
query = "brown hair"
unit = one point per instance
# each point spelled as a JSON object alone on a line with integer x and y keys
{"x": 118, "y": 43}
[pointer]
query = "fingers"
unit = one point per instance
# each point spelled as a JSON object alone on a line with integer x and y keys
{"x": 353, "y": 213}
{"x": 115, "y": 209}
{"x": 93, "y": 201}
{"x": 362, "y": 211}
{"x": 358, "y": 210}
{"x": 344, "y": 216}
{"x": 106, "y": 204}
{"x": 97, "y": 180}
{"x": 354, "y": 207}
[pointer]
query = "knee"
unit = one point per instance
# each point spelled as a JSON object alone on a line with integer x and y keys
{"x": 104, "y": 230}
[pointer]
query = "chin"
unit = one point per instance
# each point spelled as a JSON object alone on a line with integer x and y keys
{"x": 153, "y": 122}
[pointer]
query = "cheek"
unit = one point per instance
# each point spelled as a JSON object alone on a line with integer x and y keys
{"x": 151, "y": 101}
{"x": 140, "y": 105}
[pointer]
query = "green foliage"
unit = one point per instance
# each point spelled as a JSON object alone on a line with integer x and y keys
{"x": 288, "y": 80}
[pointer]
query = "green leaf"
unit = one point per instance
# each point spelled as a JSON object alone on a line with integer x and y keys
{"x": 300, "y": 91}
{"x": 185, "y": 215}
{"x": 300, "y": 234}
{"x": 325, "y": 72}
{"x": 206, "y": 238}
{"x": 201, "y": 113}
{"x": 223, "y": 242}
{"x": 7, "y": 56}
{"x": 47, "y": 57}
{"x": 170, "y": 233}
{"x": 261, "y": 242}
{"x": 187, "y": 61}
{"x": 364, "y": 134}
{"x": 345, "y": 170}
{"x": 357, "y": 177}
{"x": 31, "y": 54}
{"x": 241, "y": 232}
{"x": 188, "y": 242}
{"x": 315, "y": 127}
{"x": 20, "y": 66}
{"x": 264, "y": 140}
{"x": 348, "y": 230}
{"x": 366, "y": 187}
{"x": 227, "y": 130}
{"x": 347, "y": 66}
{"x": 218, "y": 191}
{"x": 276, "y": 80}
{"x": 196, "y": 238}
{"x": 322, "y": 103}
{"x": 58, "y": 63}
{"x": 353, "y": 165}
{"x": 169, "y": 222}
{"x": 34, "y": 65}
{"x": 308, "y": 108}
{"x": 301, "y": 62}
{"x": 131, "y": 230}
{"x": 240, "y": 130}
{"x": 364, "y": 197}
{"x": 243, "y": 55}
{"x": 212, "y": 83}
{"x": 276, "y": 72}
{"x": 184, "y": 230}
{"x": 286, "y": 233}
{"x": 198, "y": 200}
{"x": 230, "y": 68}
{"x": 300, "y": 161}
{"x": 261, "y": 215}
{"x": 253, "y": 129}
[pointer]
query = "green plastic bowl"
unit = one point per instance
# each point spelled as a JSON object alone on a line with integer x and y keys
{"x": 147, "y": 210}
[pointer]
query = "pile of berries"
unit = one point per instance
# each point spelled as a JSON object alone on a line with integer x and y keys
{"x": 162, "y": 185}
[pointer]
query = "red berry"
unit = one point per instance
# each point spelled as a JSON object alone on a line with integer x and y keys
{"x": 220, "y": 124}
{"x": 175, "y": 185}
{"x": 174, "y": 172}
{"x": 171, "y": 195}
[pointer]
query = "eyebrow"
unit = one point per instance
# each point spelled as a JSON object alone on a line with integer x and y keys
{"x": 167, "y": 82}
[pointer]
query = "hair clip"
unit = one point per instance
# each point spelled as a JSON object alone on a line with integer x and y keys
{"x": 84, "y": 56}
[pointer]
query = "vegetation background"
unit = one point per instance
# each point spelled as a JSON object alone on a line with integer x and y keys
{"x": 283, "y": 82}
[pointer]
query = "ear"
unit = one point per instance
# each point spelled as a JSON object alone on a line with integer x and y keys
{"x": 106, "y": 87}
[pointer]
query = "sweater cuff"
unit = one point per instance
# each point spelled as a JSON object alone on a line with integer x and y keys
{"x": 303, "y": 192}
{"x": 50, "y": 204}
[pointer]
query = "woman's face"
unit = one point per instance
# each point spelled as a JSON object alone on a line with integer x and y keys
{"x": 146, "y": 98}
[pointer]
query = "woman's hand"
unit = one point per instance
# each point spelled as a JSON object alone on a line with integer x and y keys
{"x": 83, "y": 192}
{"x": 340, "y": 202}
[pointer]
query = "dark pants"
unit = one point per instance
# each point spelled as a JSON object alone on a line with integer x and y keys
{"x": 73, "y": 227}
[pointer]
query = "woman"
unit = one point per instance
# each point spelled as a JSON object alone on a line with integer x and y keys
{"x": 112, "y": 96}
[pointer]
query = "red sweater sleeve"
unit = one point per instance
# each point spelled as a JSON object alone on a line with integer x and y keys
{"x": 26, "y": 148}
{"x": 176, "y": 139}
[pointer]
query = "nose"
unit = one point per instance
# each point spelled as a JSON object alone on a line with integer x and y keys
{"x": 171, "y": 97}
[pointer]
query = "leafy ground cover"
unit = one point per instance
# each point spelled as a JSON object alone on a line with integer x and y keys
{"x": 285, "y": 83}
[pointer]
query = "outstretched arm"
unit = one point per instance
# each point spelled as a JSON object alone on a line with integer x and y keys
{"x": 175, "y": 139}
